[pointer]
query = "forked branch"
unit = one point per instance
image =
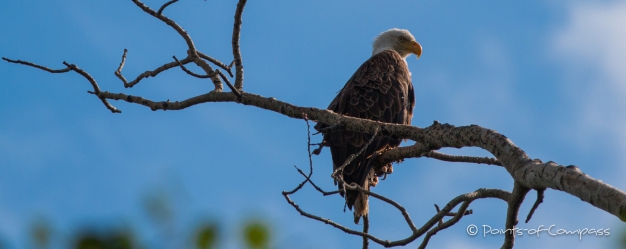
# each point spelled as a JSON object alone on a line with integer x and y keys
{"x": 527, "y": 173}
{"x": 532, "y": 174}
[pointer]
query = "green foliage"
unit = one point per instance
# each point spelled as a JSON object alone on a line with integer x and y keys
{"x": 158, "y": 206}
{"x": 107, "y": 240}
{"x": 207, "y": 235}
{"x": 41, "y": 232}
{"x": 256, "y": 235}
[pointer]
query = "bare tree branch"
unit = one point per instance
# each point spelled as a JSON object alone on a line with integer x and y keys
{"x": 445, "y": 225}
{"x": 236, "y": 49}
{"x": 465, "y": 198}
{"x": 366, "y": 228}
{"x": 527, "y": 173}
{"x": 308, "y": 146}
{"x": 165, "y": 6}
{"x": 233, "y": 89}
{"x": 72, "y": 67}
{"x": 217, "y": 71}
{"x": 191, "y": 52}
{"x": 190, "y": 72}
{"x": 514, "y": 203}
{"x": 324, "y": 193}
{"x": 463, "y": 159}
{"x": 148, "y": 73}
{"x": 169, "y": 22}
{"x": 118, "y": 72}
{"x": 536, "y": 205}
{"x": 217, "y": 63}
{"x": 164, "y": 67}
{"x": 467, "y": 212}
{"x": 64, "y": 70}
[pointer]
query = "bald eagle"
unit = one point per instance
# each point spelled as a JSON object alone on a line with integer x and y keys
{"x": 380, "y": 90}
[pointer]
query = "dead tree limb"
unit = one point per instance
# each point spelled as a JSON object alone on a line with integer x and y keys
{"x": 236, "y": 48}
{"x": 526, "y": 173}
{"x": 529, "y": 173}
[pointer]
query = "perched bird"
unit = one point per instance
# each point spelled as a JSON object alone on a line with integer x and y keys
{"x": 380, "y": 90}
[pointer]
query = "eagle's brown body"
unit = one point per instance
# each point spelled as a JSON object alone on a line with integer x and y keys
{"x": 380, "y": 90}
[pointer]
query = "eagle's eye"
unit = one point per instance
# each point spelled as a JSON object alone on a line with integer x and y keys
{"x": 401, "y": 39}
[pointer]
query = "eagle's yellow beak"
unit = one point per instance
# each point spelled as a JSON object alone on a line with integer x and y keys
{"x": 416, "y": 48}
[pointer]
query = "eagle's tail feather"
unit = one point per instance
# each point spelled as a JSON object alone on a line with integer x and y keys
{"x": 361, "y": 205}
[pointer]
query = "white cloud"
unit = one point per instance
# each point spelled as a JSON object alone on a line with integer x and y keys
{"x": 596, "y": 36}
{"x": 592, "y": 45}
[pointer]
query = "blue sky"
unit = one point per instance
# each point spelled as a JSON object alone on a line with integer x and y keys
{"x": 547, "y": 74}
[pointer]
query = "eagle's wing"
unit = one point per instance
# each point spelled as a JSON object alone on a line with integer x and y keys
{"x": 379, "y": 90}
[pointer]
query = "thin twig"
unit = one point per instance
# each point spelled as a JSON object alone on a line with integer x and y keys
{"x": 324, "y": 193}
{"x": 366, "y": 228}
{"x": 72, "y": 67}
{"x": 191, "y": 51}
{"x": 217, "y": 63}
{"x": 464, "y": 198}
{"x": 445, "y": 225}
{"x": 235, "y": 91}
{"x": 439, "y": 210}
{"x": 118, "y": 72}
{"x": 352, "y": 157}
{"x": 405, "y": 214}
{"x": 94, "y": 84}
{"x": 146, "y": 74}
{"x": 190, "y": 72}
{"x": 64, "y": 70}
{"x": 169, "y": 22}
{"x": 236, "y": 48}
{"x": 306, "y": 177}
{"x": 466, "y": 212}
{"x": 539, "y": 200}
{"x": 308, "y": 144}
{"x": 164, "y": 67}
{"x": 165, "y": 6}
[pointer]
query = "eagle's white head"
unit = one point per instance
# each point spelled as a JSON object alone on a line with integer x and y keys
{"x": 399, "y": 40}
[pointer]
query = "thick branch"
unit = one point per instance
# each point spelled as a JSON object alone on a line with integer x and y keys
{"x": 529, "y": 173}
{"x": 462, "y": 159}
{"x": 514, "y": 203}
